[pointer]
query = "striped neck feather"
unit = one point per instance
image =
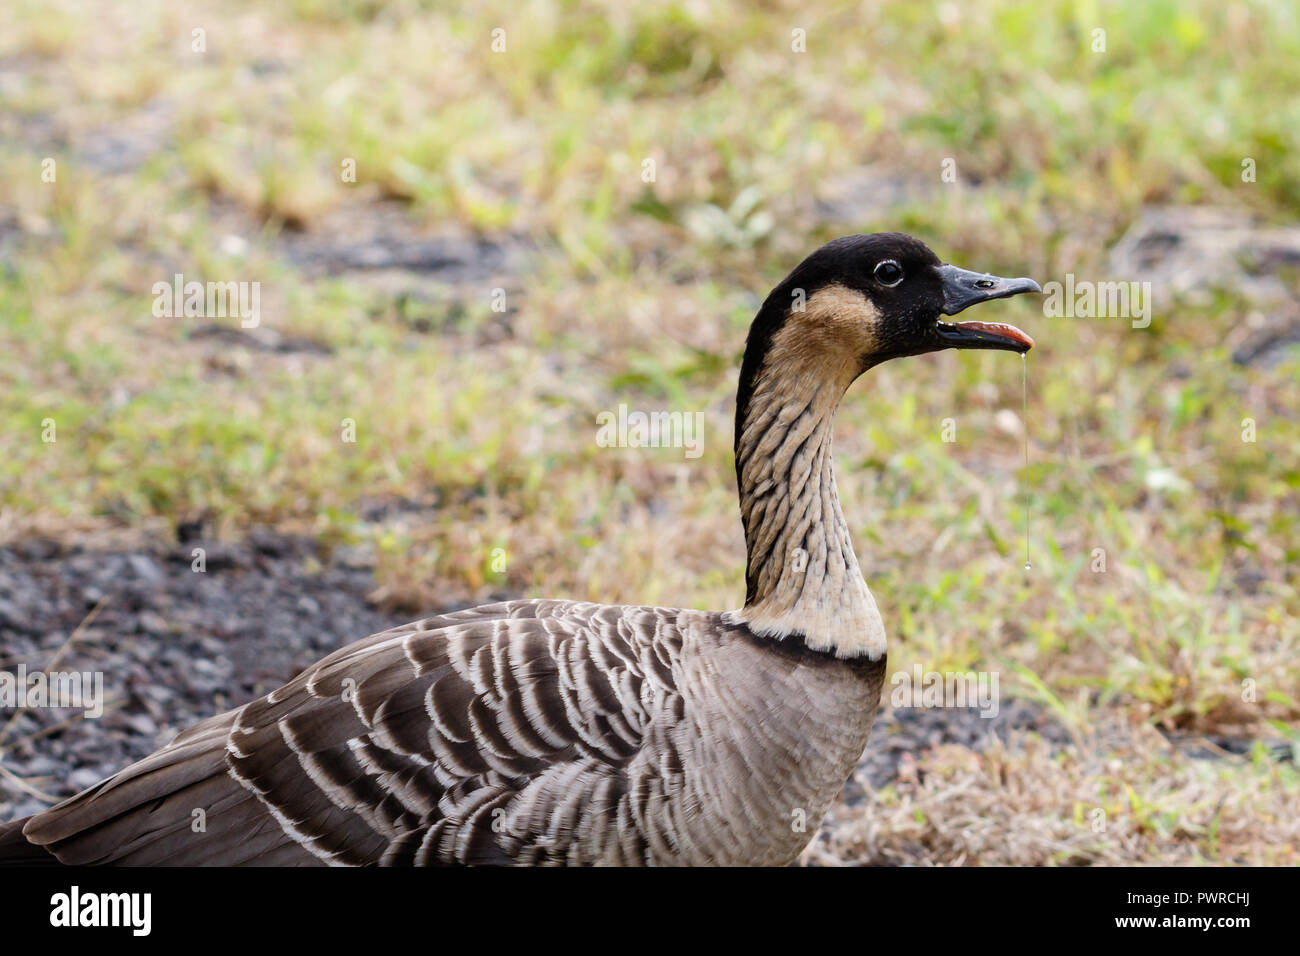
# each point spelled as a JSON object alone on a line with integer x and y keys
{"x": 802, "y": 575}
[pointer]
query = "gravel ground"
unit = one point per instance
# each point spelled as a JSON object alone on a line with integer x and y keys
{"x": 174, "y": 646}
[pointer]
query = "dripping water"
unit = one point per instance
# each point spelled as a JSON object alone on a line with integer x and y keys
{"x": 1024, "y": 421}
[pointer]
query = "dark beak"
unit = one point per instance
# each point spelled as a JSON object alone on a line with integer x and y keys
{"x": 961, "y": 290}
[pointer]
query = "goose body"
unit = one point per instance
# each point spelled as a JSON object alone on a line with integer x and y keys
{"x": 556, "y": 732}
{"x": 532, "y": 732}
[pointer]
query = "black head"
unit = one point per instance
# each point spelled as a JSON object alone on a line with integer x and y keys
{"x": 910, "y": 288}
{"x": 862, "y": 300}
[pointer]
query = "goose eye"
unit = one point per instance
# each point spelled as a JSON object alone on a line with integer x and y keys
{"x": 889, "y": 273}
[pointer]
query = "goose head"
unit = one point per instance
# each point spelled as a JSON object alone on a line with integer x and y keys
{"x": 870, "y": 298}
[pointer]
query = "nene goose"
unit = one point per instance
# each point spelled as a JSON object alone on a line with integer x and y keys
{"x": 556, "y": 732}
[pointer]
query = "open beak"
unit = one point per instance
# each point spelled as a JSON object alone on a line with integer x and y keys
{"x": 961, "y": 290}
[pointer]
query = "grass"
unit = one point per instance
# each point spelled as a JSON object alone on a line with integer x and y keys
{"x": 640, "y": 292}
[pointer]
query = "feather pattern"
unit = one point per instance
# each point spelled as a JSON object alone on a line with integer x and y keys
{"x": 529, "y": 732}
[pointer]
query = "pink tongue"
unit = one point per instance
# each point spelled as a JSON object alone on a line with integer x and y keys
{"x": 999, "y": 329}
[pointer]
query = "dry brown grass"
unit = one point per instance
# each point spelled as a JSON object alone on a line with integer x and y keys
{"x": 1127, "y": 796}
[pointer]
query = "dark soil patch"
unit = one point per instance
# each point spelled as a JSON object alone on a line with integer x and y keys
{"x": 173, "y": 645}
{"x": 898, "y": 733}
{"x": 380, "y": 236}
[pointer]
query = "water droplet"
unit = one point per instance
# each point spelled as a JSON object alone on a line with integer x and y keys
{"x": 1024, "y": 419}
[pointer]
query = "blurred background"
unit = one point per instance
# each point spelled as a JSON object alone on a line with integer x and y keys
{"x": 474, "y": 228}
